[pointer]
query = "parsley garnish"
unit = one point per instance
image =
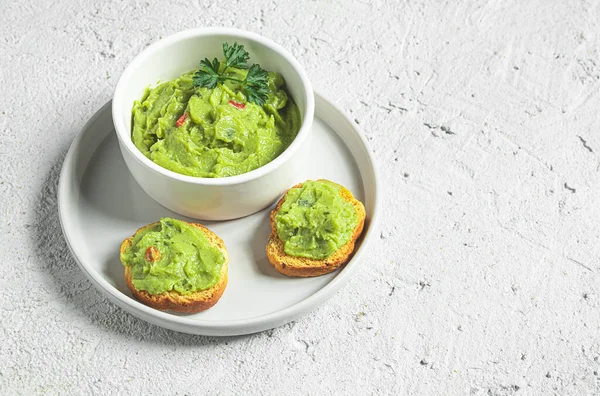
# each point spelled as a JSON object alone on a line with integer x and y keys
{"x": 208, "y": 75}
{"x": 254, "y": 86}
{"x": 235, "y": 55}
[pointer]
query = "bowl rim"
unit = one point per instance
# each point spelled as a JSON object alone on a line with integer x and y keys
{"x": 124, "y": 136}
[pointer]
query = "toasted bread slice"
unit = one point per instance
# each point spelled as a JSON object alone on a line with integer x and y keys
{"x": 303, "y": 266}
{"x": 173, "y": 300}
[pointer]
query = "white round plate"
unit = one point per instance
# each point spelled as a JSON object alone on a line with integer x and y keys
{"x": 100, "y": 205}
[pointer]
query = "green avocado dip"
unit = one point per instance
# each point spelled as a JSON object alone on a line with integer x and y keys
{"x": 314, "y": 220}
{"x": 214, "y": 132}
{"x": 173, "y": 255}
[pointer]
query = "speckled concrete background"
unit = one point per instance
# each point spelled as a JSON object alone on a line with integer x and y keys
{"x": 485, "y": 279}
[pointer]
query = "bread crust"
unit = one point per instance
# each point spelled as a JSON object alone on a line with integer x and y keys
{"x": 173, "y": 300}
{"x": 304, "y": 266}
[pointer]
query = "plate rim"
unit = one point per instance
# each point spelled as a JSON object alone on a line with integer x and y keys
{"x": 223, "y": 327}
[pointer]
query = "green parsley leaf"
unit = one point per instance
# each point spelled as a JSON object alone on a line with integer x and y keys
{"x": 257, "y": 76}
{"x": 208, "y": 75}
{"x": 235, "y": 55}
{"x": 255, "y": 86}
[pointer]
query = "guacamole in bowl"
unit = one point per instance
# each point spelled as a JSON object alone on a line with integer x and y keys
{"x": 215, "y": 128}
{"x": 216, "y": 139}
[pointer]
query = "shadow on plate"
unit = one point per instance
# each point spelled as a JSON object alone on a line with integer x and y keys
{"x": 112, "y": 190}
{"x": 258, "y": 247}
{"x": 66, "y": 280}
{"x": 114, "y": 270}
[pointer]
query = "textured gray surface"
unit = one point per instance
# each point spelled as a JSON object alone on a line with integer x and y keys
{"x": 485, "y": 280}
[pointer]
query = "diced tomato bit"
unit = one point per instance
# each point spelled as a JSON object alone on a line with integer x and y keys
{"x": 236, "y": 104}
{"x": 181, "y": 120}
{"x": 152, "y": 254}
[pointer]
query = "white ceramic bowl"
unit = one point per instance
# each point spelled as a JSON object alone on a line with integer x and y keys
{"x": 209, "y": 198}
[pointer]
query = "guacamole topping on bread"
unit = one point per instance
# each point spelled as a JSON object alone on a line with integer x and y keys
{"x": 314, "y": 220}
{"x": 172, "y": 255}
{"x": 214, "y": 132}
